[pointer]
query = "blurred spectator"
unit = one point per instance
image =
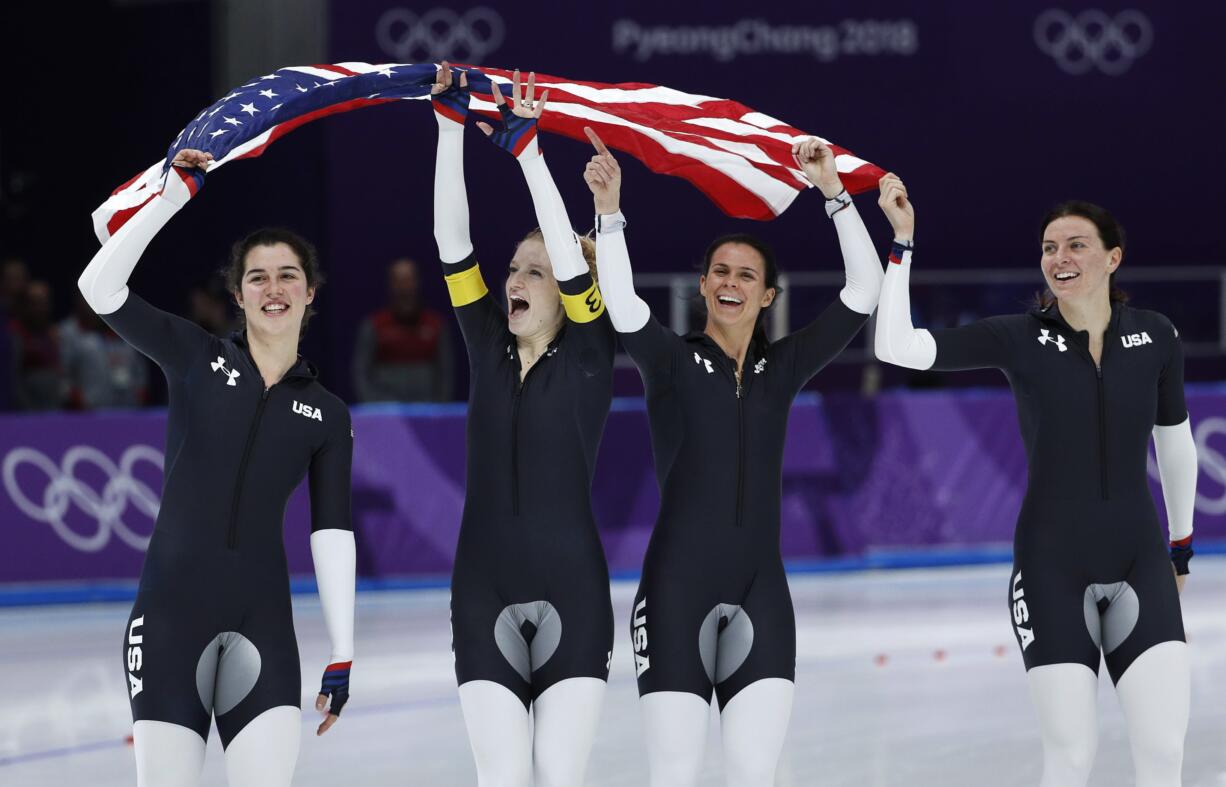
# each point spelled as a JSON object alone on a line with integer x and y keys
{"x": 209, "y": 307}
{"x": 101, "y": 369}
{"x": 403, "y": 352}
{"x": 38, "y": 377}
{"x": 14, "y": 278}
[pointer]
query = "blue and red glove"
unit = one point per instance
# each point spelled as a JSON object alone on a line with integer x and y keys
{"x": 336, "y": 685}
{"x": 452, "y": 103}
{"x": 516, "y": 135}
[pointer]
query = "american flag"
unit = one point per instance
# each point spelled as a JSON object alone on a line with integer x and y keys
{"x": 739, "y": 158}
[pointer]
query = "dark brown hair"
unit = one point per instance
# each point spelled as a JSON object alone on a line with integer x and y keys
{"x": 1110, "y": 232}
{"x": 770, "y": 271}
{"x": 303, "y": 249}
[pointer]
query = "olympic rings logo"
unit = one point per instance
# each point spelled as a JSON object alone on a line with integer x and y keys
{"x": 440, "y": 34}
{"x": 1093, "y": 40}
{"x": 63, "y": 490}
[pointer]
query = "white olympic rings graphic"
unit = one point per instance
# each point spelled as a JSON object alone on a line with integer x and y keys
{"x": 1093, "y": 39}
{"x": 440, "y": 34}
{"x": 64, "y": 489}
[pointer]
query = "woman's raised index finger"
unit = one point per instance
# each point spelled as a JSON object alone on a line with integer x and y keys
{"x": 596, "y": 141}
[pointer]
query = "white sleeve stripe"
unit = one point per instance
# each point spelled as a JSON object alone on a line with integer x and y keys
{"x": 863, "y": 268}
{"x": 104, "y": 282}
{"x": 335, "y": 556}
{"x": 627, "y": 311}
{"x": 1178, "y": 467}
{"x": 565, "y": 253}
{"x": 897, "y": 341}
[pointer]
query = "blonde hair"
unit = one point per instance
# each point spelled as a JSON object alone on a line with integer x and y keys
{"x": 586, "y": 244}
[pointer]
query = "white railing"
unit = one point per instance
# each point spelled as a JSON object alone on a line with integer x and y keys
{"x": 680, "y": 291}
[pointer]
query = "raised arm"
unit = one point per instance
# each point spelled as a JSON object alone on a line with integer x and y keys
{"x": 805, "y": 352}
{"x": 335, "y": 556}
{"x": 603, "y": 175}
{"x": 862, "y": 269}
{"x": 518, "y": 136}
{"x": 450, "y": 196}
{"x": 475, "y": 309}
{"x": 104, "y": 283}
{"x": 897, "y": 341}
{"x": 169, "y": 340}
{"x": 979, "y": 345}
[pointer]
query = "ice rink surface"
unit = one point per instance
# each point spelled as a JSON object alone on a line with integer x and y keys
{"x": 903, "y": 678}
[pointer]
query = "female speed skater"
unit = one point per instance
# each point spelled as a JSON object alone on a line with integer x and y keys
{"x": 532, "y": 622}
{"x": 211, "y": 634}
{"x": 713, "y": 612}
{"x": 1093, "y": 378}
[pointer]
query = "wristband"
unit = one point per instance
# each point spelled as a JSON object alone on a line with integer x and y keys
{"x": 1181, "y": 553}
{"x": 899, "y": 248}
{"x": 838, "y": 202}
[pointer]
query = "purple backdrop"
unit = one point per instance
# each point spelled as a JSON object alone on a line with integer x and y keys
{"x": 903, "y": 471}
{"x": 988, "y": 126}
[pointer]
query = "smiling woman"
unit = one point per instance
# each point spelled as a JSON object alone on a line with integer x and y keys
{"x": 713, "y": 613}
{"x": 1092, "y": 579}
{"x": 211, "y": 634}
{"x": 277, "y": 272}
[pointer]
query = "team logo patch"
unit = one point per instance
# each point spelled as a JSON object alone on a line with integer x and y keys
{"x": 698, "y": 359}
{"x": 638, "y": 637}
{"x": 307, "y": 411}
{"x": 220, "y": 366}
{"x": 1021, "y": 614}
{"x": 135, "y": 656}
{"x": 1136, "y": 339}
{"x": 1045, "y": 337}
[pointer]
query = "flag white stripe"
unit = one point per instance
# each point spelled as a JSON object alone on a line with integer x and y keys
{"x": 775, "y": 193}
{"x": 746, "y": 130}
{"x": 315, "y": 72}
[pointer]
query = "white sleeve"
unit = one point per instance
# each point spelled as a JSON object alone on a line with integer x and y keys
{"x": 627, "y": 310}
{"x": 104, "y": 283}
{"x": 1177, "y": 467}
{"x": 565, "y": 253}
{"x": 860, "y": 261}
{"x": 335, "y": 556}
{"x": 450, "y": 195}
{"x": 897, "y": 341}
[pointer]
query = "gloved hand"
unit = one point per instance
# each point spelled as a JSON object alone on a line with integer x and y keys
{"x": 450, "y": 98}
{"x": 335, "y": 684}
{"x": 517, "y": 135}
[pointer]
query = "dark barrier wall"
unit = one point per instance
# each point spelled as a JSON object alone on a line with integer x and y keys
{"x": 913, "y": 473}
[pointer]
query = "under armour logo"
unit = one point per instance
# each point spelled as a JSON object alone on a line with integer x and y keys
{"x": 220, "y": 366}
{"x": 698, "y": 359}
{"x": 759, "y": 367}
{"x": 1046, "y": 337}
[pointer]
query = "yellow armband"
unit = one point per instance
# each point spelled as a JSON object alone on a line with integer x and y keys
{"x": 584, "y": 307}
{"x": 466, "y": 286}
